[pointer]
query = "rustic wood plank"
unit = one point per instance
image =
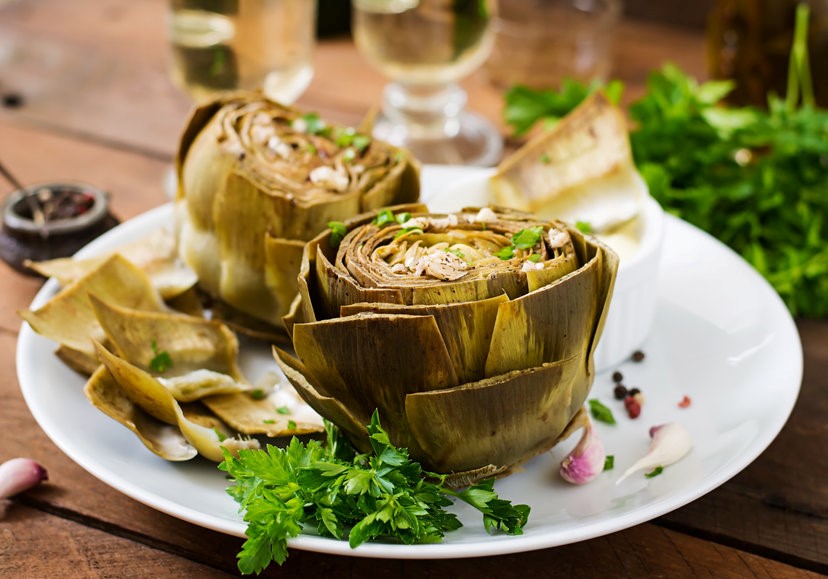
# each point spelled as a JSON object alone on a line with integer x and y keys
{"x": 75, "y": 550}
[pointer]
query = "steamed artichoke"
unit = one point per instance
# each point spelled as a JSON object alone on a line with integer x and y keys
{"x": 257, "y": 179}
{"x": 472, "y": 333}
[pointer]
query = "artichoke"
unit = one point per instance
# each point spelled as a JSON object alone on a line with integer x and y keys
{"x": 256, "y": 180}
{"x": 472, "y": 333}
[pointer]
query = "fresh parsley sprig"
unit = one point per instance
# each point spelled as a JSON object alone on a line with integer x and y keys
{"x": 347, "y": 495}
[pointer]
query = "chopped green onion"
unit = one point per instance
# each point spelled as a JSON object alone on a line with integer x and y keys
{"x": 383, "y": 217}
{"x": 283, "y": 410}
{"x": 338, "y": 231}
{"x": 403, "y": 217}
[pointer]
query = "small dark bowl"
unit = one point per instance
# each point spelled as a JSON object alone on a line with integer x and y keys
{"x": 83, "y": 216}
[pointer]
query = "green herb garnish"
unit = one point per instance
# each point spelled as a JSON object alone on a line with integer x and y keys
{"x": 383, "y": 217}
{"x": 583, "y": 227}
{"x": 361, "y": 142}
{"x": 221, "y": 436}
{"x": 600, "y": 412}
{"x": 348, "y": 155}
{"x": 338, "y": 231}
{"x": 534, "y": 258}
{"x": 506, "y": 252}
{"x": 609, "y": 462}
{"x": 545, "y": 159}
{"x": 527, "y": 238}
{"x": 456, "y": 252}
{"x": 344, "y": 495}
{"x": 283, "y": 410}
{"x": 291, "y": 425}
{"x": 655, "y": 472}
{"x": 161, "y": 361}
{"x": 268, "y": 421}
{"x": 257, "y": 394}
{"x": 403, "y": 217}
{"x": 312, "y": 124}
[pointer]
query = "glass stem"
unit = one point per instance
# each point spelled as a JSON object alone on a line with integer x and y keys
{"x": 425, "y": 112}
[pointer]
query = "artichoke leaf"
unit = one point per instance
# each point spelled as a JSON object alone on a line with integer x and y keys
{"x": 283, "y": 258}
{"x": 370, "y": 361}
{"x": 466, "y": 328}
{"x": 69, "y": 318}
{"x": 163, "y": 439}
{"x": 193, "y": 344}
{"x": 323, "y": 404}
{"x": 150, "y": 395}
{"x": 550, "y": 324}
{"x": 337, "y": 289}
{"x": 155, "y": 254}
{"x": 278, "y": 412}
{"x": 81, "y": 362}
{"x": 495, "y": 420}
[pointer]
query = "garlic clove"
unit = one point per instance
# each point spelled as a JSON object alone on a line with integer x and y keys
{"x": 20, "y": 474}
{"x": 586, "y": 461}
{"x": 671, "y": 442}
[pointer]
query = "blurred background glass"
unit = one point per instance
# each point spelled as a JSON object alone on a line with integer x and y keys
{"x": 219, "y": 45}
{"x": 538, "y": 43}
{"x": 425, "y": 47}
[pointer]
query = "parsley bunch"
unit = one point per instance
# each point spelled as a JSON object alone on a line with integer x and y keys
{"x": 342, "y": 494}
{"x": 755, "y": 179}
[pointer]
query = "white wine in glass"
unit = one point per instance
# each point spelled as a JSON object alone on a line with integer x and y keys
{"x": 220, "y": 45}
{"x": 425, "y": 47}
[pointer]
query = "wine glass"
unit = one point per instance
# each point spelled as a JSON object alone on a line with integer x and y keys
{"x": 221, "y": 45}
{"x": 425, "y": 47}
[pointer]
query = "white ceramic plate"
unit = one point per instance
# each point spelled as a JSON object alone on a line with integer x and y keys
{"x": 721, "y": 336}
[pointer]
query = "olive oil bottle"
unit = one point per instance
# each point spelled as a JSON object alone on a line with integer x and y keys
{"x": 749, "y": 41}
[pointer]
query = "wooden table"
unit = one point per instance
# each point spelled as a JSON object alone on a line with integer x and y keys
{"x": 103, "y": 111}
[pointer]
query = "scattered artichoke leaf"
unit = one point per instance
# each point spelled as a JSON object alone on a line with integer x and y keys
{"x": 188, "y": 302}
{"x": 149, "y": 394}
{"x": 165, "y": 440}
{"x": 245, "y": 324}
{"x": 494, "y": 416}
{"x": 69, "y": 319}
{"x": 155, "y": 254}
{"x": 196, "y": 346}
{"x": 81, "y": 362}
{"x": 282, "y": 413}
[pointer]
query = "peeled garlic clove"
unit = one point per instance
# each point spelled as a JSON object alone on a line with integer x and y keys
{"x": 20, "y": 474}
{"x": 670, "y": 443}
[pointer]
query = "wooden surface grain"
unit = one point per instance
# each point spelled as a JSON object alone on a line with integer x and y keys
{"x": 102, "y": 110}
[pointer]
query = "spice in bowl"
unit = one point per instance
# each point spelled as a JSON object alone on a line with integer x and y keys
{"x": 52, "y": 220}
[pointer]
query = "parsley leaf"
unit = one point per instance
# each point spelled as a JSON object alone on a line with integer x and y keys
{"x": 609, "y": 462}
{"x": 161, "y": 361}
{"x": 527, "y": 238}
{"x": 348, "y": 495}
{"x": 600, "y": 412}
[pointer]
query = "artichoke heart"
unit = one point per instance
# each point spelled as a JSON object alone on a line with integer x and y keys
{"x": 472, "y": 333}
{"x": 256, "y": 180}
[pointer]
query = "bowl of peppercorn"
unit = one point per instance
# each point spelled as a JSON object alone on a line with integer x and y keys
{"x": 52, "y": 220}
